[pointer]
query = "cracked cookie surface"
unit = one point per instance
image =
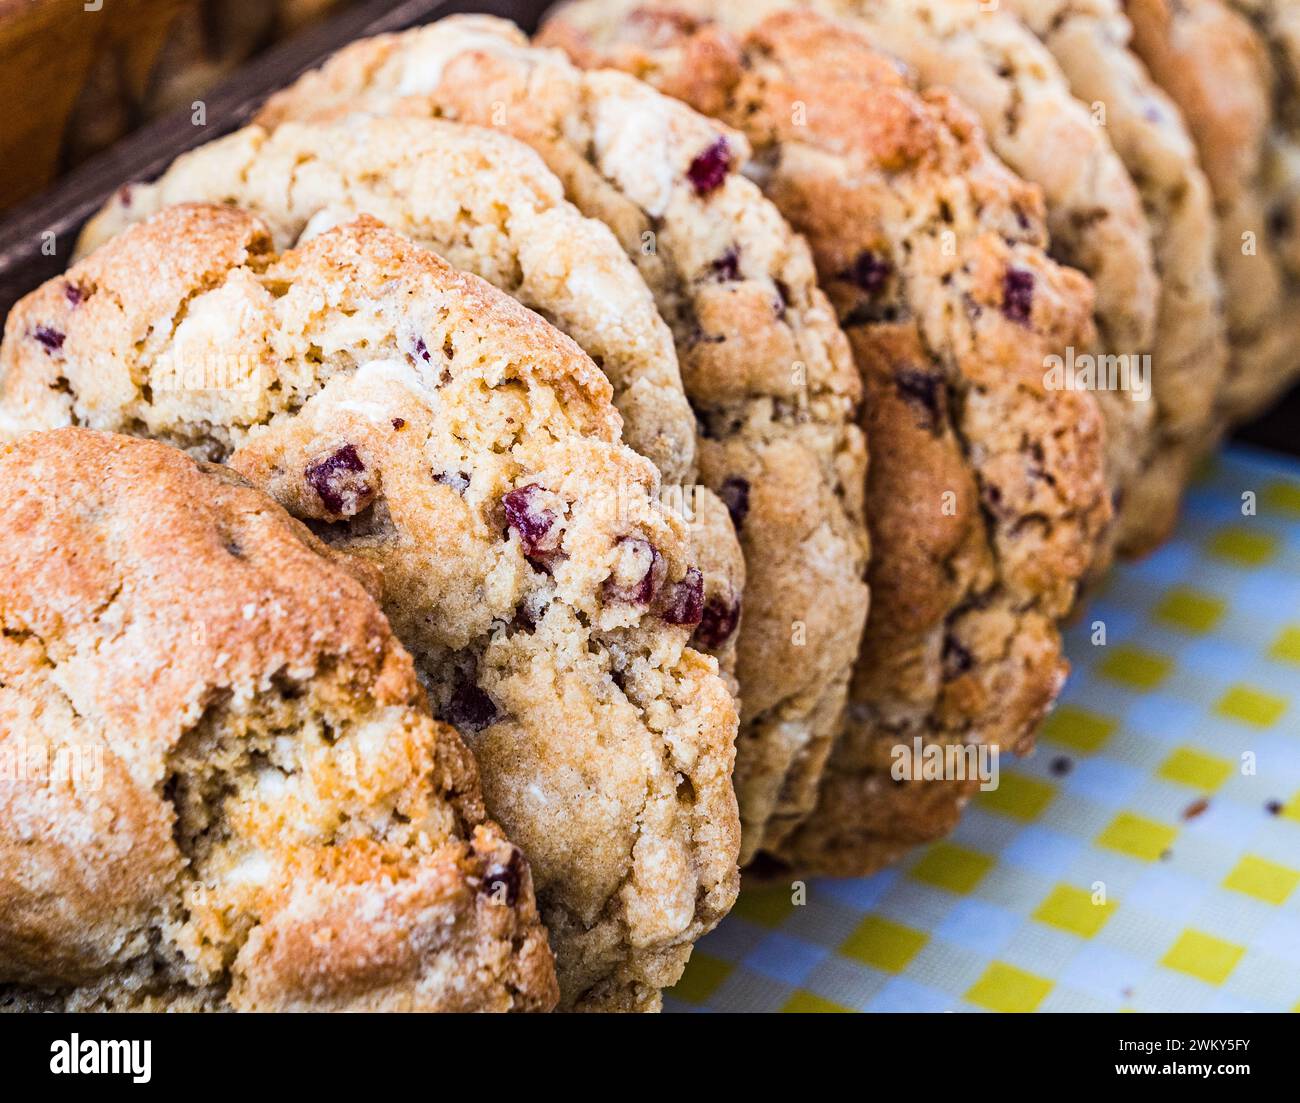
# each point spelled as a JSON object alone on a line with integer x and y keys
{"x": 766, "y": 368}
{"x": 417, "y": 418}
{"x": 985, "y": 494}
{"x": 1218, "y": 69}
{"x": 489, "y": 206}
{"x": 237, "y": 797}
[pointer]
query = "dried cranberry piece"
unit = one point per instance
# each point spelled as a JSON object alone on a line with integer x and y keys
{"x": 49, "y": 339}
{"x": 708, "y": 171}
{"x": 718, "y": 623}
{"x": 501, "y": 880}
{"x": 869, "y": 271}
{"x": 422, "y": 350}
{"x": 727, "y": 266}
{"x": 638, "y": 573}
{"x": 685, "y": 602}
{"x": 470, "y": 708}
{"x": 399, "y": 423}
{"x": 1018, "y": 295}
{"x": 734, "y": 493}
{"x": 340, "y": 483}
{"x": 923, "y": 389}
{"x": 535, "y": 524}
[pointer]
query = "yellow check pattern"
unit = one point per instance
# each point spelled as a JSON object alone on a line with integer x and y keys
{"x": 1146, "y": 858}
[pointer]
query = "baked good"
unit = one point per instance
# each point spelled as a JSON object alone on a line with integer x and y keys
{"x": 1217, "y": 68}
{"x": 1035, "y": 124}
{"x": 488, "y": 205}
{"x": 483, "y": 202}
{"x": 1094, "y": 213}
{"x": 227, "y": 791}
{"x": 1090, "y": 40}
{"x": 986, "y": 493}
{"x": 1278, "y": 24}
{"x": 420, "y": 419}
{"x": 765, "y": 366}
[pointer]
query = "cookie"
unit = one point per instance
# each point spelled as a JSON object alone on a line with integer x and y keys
{"x": 1090, "y": 40}
{"x": 421, "y": 420}
{"x": 1035, "y": 124}
{"x": 227, "y": 790}
{"x": 1278, "y": 23}
{"x": 484, "y": 203}
{"x": 986, "y": 493}
{"x": 488, "y": 205}
{"x": 765, "y": 366}
{"x": 1217, "y": 68}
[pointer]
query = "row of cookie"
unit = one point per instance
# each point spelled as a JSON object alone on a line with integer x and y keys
{"x": 772, "y": 387}
{"x": 757, "y": 347}
{"x": 986, "y": 499}
{"x": 426, "y": 424}
{"x": 990, "y": 494}
{"x": 1161, "y": 138}
{"x": 623, "y": 799}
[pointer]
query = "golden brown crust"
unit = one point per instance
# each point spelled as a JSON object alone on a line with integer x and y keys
{"x": 153, "y": 607}
{"x": 1094, "y": 213}
{"x": 155, "y": 272}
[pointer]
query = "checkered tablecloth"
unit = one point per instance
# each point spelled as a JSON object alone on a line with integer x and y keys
{"x": 1146, "y": 857}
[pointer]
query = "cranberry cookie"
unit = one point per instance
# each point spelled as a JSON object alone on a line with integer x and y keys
{"x": 765, "y": 366}
{"x": 1278, "y": 22}
{"x": 1090, "y": 40}
{"x": 232, "y": 794}
{"x": 1094, "y": 212}
{"x": 488, "y": 205}
{"x": 1217, "y": 68}
{"x": 986, "y": 494}
{"x": 419, "y": 419}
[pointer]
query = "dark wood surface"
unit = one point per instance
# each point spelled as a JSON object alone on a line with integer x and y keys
{"x": 61, "y": 211}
